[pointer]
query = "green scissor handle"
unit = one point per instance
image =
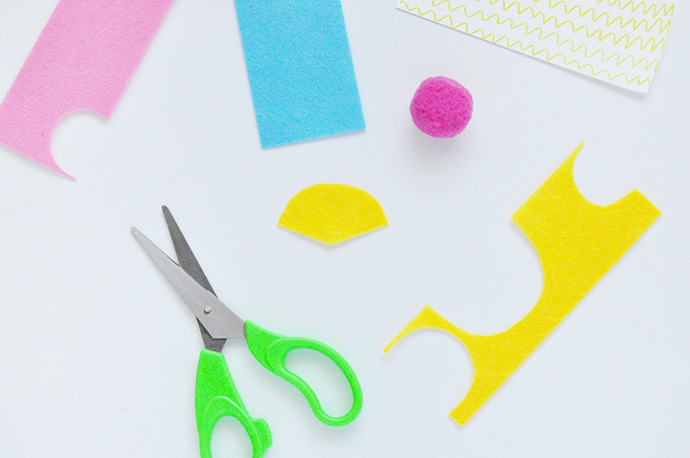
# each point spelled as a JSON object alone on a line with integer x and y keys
{"x": 271, "y": 349}
{"x": 217, "y": 397}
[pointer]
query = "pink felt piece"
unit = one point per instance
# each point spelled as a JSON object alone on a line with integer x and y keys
{"x": 83, "y": 60}
{"x": 441, "y": 107}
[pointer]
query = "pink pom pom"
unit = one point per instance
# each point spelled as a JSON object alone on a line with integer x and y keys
{"x": 441, "y": 107}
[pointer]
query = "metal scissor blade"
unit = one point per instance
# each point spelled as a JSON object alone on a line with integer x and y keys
{"x": 187, "y": 260}
{"x": 219, "y": 320}
{"x": 185, "y": 255}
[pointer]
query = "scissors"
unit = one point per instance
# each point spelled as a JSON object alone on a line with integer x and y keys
{"x": 216, "y": 395}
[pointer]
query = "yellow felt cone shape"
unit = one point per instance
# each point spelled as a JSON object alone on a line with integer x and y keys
{"x": 332, "y": 213}
{"x": 577, "y": 243}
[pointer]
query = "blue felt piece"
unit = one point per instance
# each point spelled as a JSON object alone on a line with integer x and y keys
{"x": 300, "y": 69}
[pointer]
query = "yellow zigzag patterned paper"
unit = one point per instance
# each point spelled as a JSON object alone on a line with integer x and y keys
{"x": 617, "y": 41}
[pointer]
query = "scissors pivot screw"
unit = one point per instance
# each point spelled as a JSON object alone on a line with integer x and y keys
{"x": 208, "y": 310}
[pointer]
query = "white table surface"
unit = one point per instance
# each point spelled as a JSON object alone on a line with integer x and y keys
{"x": 98, "y": 355}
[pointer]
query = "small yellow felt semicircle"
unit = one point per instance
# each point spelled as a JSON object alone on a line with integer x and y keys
{"x": 332, "y": 213}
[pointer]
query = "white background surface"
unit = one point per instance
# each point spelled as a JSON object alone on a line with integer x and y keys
{"x": 98, "y": 355}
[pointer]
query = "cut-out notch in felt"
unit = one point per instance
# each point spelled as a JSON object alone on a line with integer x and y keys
{"x": 300, "y": 69}
{"x": 577, "y": 243}
{"x": 332, "y": 213}
{"x": 83, "y": 60}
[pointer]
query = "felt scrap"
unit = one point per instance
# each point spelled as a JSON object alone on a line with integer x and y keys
{"x": 332, "y": 213}
{"x": 577, "y": 243}
{"x": 83, "y": 60}
{"x": 300, "y": 69}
